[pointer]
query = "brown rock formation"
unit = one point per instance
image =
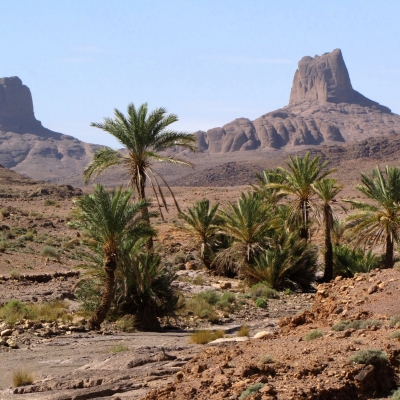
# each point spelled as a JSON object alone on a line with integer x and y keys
{"x": 323, "y": 107}
{"x": 28, "y": 147}
{"x": 325, "y": 78}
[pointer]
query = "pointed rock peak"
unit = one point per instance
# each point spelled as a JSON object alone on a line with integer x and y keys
{"x": 325, "y": 78}
{"x": 16, "y": 106}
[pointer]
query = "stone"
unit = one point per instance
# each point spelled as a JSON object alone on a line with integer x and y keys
{"x": 12, "y": 343}
{"x": 372, "y": 289}
{"x": 263, "y": 335}
{"x": 225, "y": 285}
{"x": 6, "y": 332}
{"x": 364, "y": 373}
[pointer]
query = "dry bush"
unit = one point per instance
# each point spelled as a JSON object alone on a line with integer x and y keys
{"x": 22, "y": 377}
{"x": 206, "y": 336}
{"x": 243, "y": 331}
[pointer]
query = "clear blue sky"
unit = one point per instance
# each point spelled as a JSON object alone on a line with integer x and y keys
{"x": 208, "y": 61}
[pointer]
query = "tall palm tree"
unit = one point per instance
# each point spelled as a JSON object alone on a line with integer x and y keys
{"x": 327, "y": 190}
{"x": 302, "y": 172}
{"x": 109, "y": 220}
{"x": 145, "y": 136}
{"x": 202, "y": 222}
{"x": 249, "y": 224}
{"x": 379, "y": 222}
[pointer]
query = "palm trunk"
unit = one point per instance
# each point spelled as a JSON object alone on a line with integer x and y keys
{"x": 304, "y": 228}
{"x": 141, "y": 188}
{"x": 328, "y": 274}
{"x": 389, "y": 262}
{"x": 110, "y": 265}
{"x": 147, "y": 320}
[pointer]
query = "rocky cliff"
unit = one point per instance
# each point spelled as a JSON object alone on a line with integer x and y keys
{"x": 29, "y": 148}
{"x": 323, "y": 108}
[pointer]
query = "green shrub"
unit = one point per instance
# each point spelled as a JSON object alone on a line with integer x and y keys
{"x": 210, "y": 296}
{"x": 263, "y": 290}
{"x": 370, "y": 356}
{"x": 227, "y": 302}
{"x": 50, "y": 252}
{"x": 3, "y": 246}
{"x": 22, "y": 377}
{"x": 267, "y": 359}
{"x": 89, "y": 293}
{"x": 4, "y": 212}
{"x": 14, "y": 311}
{"x": 314, "y": 334}
{"x": 243, "y": 331}
{"x": 49, "y": 202}
{"x": 253, "y": 389}
{"x": 395, "y": 335}
{"x": 118, "y": 348}
{"x": 288, "y": 292}
{"x": 394, "y": 321}
{"x": 201, "y": 309}
{"x": 29, "y": 236}
{"x": 199, "y": 280}
{"x": 180, "y": 258}
{"x": 396, "y": 395}
{"x": 206, "y": 336}
{"x": 126, "y": 323}
{"x": 357, "y": 324}
{"x": 262, "y": 303}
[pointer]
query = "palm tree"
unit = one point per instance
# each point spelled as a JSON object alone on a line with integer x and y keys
{"x": 288, "y": 260}
{"x": 327, "y": 190}
{"x": 379, "y": 222}
{"x": 271, "y": 195}
{"x": 109, "y": 221}
{"x": 299, "y": 177}
{"x": 202, "y": 222}
{"x": 149, "y": 291}
{"x": 145, "y": 136}
{"x": 249, "y": 224}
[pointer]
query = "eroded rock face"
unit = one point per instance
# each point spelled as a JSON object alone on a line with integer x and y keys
{"x": 28, "y": 147}
{"x": 325, "y": 78}
{"x": 16, "y": 106}
{"x": 323, "y": 108}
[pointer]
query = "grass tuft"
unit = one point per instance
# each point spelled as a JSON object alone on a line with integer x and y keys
{"x": 126, "y": 323}
{"x": 314, "y": 334}
{"x": 267, "y": 359}
{"x": 22, "y": 377}
{"x": 50, "y": 252}
{"x": 206, "y": 336}
{"x": 253, "y": 389}
{"x": 243, "y": 331}
{"x": 118, "y": 348}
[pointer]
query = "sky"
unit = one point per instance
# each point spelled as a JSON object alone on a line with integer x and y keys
{"x": 208, "y": 61}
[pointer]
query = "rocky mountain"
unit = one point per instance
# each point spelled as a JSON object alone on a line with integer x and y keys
{"x": 29, "y": 148}
{"x": 323, "y": 108}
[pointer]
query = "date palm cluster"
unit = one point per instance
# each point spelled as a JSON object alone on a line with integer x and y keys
{"x": 267, "y": 234}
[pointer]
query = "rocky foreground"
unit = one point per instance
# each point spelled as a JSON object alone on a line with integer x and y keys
{"x": 297, "y": 357}
{"x": 306, "y": 359}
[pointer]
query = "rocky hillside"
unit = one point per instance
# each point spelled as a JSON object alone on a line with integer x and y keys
{"x": 323, "y": 108}
{"x": 29, "y": 148}
{"x": 346, "y": 347}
